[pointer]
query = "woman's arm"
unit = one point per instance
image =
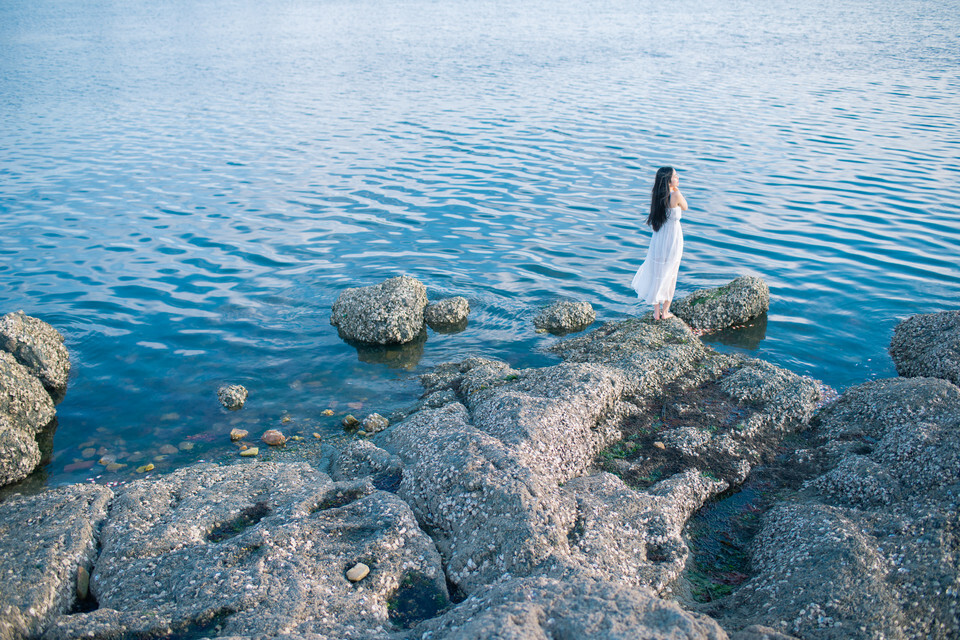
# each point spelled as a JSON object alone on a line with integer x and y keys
{"x": 677, "y": 199}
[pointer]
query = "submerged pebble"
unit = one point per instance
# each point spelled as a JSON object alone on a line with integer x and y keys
{"x": 238, "y": 434}
{"x": 249, "y": 452}
{"x": 273, "y": 437}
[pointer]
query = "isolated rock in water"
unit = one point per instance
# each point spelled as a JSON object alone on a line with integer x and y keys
{"x": 238, "y": 434}
{"x": 928, "y": 345}
{"x": 232, "y": 396}
{"x": 868, "y": 547}
{"x": 273, "y": 437}
{"x": 45, "y": 540}
{"x": 387, "y": 313}
{"x": 39, "y": 347}
{"x": 448, "y": 314}
{"x": 575, "y": 608}
{"x": 732, "y": 304}
{"x": 565, "y": 317}
{"x": 262, "y": 549}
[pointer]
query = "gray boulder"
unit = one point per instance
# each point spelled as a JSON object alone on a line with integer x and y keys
{"x": 232, "y": 396}
{"x": 25, "y": 410}
{"x": 255, "y": 550}
{"x": 447, "y": 315}
{"x": 928, "y": 345}
{"x": 867, "y": 548}
{"x": 39, "y": 347}
{"x": 735, "y": 303}
{"x": 533, "y": 608}
{"x": 387, "y": 313}
{"x": 48, "y": 542}
{"x": 565, "y": 317}
{"x": 19, "y": 452}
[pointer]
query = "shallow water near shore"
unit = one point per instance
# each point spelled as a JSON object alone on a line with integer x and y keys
{"x": 185, "y": 189}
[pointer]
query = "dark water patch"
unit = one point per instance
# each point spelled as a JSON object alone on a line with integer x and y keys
{"x": 340, "y": 498}
{"x": 720, "y": 534}
{"x": 417, "y": 598}
{"x": 388, "y": 481}
{"x": 247, "y": 518}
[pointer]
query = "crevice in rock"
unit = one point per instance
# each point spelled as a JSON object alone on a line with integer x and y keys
{"x": 576, "y": 532}
{"x": 247, "y": 518}
{"x": 719, "y": 535}
{"x": 335, "y": 499}
{"x": 457, "y": 595}
{"x": 388, "y": 481}
{"x": 417, "y": 598}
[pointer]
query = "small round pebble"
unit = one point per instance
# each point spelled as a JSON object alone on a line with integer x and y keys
{"x": 273, "y": 437}
{"x": 249, "y": 452}
{"x": 358, "y": 572}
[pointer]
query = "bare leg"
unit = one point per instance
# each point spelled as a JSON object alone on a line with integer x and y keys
{"x": 656, "y": 310}
{"x": 666, "y": 310}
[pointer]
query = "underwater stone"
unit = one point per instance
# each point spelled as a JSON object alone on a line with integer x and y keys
{"x": 232, "y": 396}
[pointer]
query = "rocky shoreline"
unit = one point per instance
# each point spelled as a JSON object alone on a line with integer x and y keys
{"x": 548, "y": 502}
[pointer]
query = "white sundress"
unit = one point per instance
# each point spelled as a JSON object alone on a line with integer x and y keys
{"x": 656, "y": 279}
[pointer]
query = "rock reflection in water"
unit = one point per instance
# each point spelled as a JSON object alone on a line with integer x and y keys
{"x": 396, "y": 356}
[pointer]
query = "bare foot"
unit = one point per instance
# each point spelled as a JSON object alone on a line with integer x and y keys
{"x": 656, "y": 312}
{"x": 667, "y": 314}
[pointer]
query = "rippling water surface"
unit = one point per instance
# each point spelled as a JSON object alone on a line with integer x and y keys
{"x": 186, "y": 187}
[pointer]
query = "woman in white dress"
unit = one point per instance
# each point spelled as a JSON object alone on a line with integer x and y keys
{"x": 656, "y": 278}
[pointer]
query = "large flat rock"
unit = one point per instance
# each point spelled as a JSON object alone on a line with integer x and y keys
{"x": 539, "y": 608}
{"x": 254, "y": 550}
{"x": 46, "y": 541}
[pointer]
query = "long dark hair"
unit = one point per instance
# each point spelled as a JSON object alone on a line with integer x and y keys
{"x": 660, "y": 198}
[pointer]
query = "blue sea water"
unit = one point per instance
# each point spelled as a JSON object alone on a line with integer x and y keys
{"x": 186, "y": 187}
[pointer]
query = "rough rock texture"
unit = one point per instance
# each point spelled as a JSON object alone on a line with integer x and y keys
{"x": 39, "y": 347}
{"x": 868, "y": 548}
{"x": 375, "y": 423}
{"x": 690, "y": 408}
{"x": 565, "y": 317}
{"x": 928, "y": 345}
{"x": 253, "y": 550}
{"x": 499, "y": 463}
{"x": 25, "y": 409}
{"x": 447, "y": 315}
{"x": 529, "y": 608}
{"x": 19, "y": 452}
{"x": 362, "y": 458}
{"x": 44, "y": 540}
{"x": 387, "y": 313}
{"x": 732, "y": 304}
{"x": 232, "y": 396}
